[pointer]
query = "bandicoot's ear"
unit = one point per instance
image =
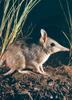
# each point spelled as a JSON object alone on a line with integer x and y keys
{"x": 44, "y": 37}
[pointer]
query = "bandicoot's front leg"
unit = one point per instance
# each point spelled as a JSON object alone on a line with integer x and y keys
{"x": 39, "y": 68}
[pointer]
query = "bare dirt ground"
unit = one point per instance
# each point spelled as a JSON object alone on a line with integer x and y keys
{"x": 34, "y": 86}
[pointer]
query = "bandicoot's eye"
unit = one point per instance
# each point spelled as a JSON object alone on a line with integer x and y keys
{"x": 52, "y": 44}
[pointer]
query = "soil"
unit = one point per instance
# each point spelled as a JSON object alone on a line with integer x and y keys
{"x": 57, "y": 85}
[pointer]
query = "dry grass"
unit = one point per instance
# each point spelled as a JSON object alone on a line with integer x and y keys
{"x": 11, "y": 22}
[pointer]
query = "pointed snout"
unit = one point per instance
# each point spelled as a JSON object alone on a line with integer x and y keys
{"x": 65, "y": 49}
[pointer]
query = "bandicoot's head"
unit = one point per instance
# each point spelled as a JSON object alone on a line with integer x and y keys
{"x": 50, "y": 45}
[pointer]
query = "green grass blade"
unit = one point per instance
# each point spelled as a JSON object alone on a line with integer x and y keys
{"x": 64, "y": 13}
{"x": 23, "y": 17}
{"x": 70, "y": 18}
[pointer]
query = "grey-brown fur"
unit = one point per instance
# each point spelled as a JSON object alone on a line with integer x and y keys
{"x": 19, "y": 56}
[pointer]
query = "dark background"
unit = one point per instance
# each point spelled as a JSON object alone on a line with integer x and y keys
{"x": 49, "y": 16}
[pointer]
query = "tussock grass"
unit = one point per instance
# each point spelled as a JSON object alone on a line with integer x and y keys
{"x": 68, "y": 19}
{"x": 11, "y": 22}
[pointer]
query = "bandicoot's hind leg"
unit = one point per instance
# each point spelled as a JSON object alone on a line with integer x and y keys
{"x": 9, "y": 72}
{"x": 23, "y": 71}
{"x": 1, "y": 62}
